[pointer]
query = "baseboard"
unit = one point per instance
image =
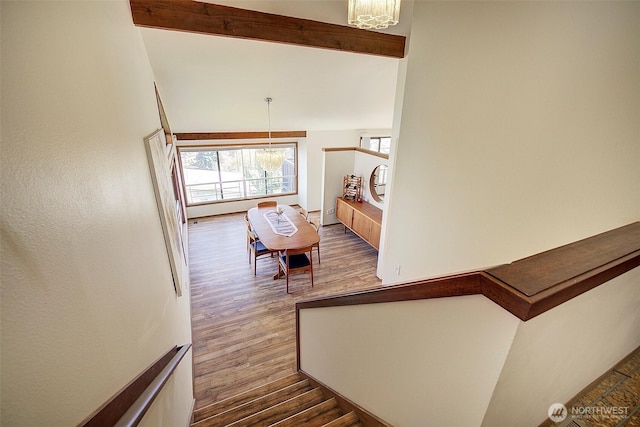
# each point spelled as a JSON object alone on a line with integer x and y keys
{"x": 193, "y": 407}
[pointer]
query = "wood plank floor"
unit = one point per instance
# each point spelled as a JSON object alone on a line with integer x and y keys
{"x": 244, "y": 325}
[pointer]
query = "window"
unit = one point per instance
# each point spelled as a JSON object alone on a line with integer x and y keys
{"x": 222, "y": 173}
{"x": 381, "y": 144}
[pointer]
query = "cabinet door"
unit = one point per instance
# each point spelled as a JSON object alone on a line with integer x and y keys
{"x": 344, "y": 213}
{"x": 361, "y": 225}
{"x": 374, "y": 237}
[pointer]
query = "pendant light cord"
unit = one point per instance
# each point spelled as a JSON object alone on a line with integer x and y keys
{"x": 268, "y": 100}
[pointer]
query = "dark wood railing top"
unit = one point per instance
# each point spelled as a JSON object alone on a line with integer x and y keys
{"x": 360, "y": 149}
{"x": 549, "y": 269}
{"x": 527, "y": 287}
{"x": 128, "y": 406}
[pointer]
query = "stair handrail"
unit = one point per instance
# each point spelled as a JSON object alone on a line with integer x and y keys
{"x": 526, "y": 288}
{"x": 401, "y": 346}
{"x": 129, "y": 404}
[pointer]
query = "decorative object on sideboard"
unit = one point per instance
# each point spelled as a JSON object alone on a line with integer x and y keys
{"x": 352, "y": 187}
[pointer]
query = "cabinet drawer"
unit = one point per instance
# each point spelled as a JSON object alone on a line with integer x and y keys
{"x": 374, "y": 235}
{"x": 361, "y": 225}
{"x": 344, "y": 213}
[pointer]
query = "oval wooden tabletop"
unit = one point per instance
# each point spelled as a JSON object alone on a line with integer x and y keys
{"x": 304, "y": 237}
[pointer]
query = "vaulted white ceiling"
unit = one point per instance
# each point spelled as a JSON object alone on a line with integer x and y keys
{"x": 218, "y": 84}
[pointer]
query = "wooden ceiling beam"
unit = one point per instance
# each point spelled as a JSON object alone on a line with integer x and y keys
{"x": 207, "y": 18}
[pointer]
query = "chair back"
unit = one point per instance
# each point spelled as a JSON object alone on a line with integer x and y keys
{"x": 248, "y": 224}
{"x": 299, "y": 251}
{"x": 268, "y": 204}
{"x": 251, "y": 235}
{"x": 304, "y": 213}
{"x": 254, "y": 245}
{"x": 295, "y": 261}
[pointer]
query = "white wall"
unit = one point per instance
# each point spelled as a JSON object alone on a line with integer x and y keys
{"x": 519, "y": 132}
{"x": 303, "y": 173}
{"x": 557, "y": 354}
{"x": 413, "y": 363}
{"x": 199, "y": 211}
{"x": 364, "y": 165}
{"x": 336, "y": 164}
{"x": 87, "y": 295}
{"x": 316, "y": 141}
{"x": 465, "y": 361}
{"x": 397, "y": 120}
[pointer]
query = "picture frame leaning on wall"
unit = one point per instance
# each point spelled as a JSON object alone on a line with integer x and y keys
{"x": 158, "y": 155}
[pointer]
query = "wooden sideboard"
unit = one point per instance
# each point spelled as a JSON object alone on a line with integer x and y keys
{"x": 362, "y": 218}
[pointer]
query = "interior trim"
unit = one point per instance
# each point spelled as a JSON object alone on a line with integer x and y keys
{"x": 199, "y": 136}
{"x": 360, "y": 149}
{"x": 130, "y": 403}
{"x": 512, "y": 294}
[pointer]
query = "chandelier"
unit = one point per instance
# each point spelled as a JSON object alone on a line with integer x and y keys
{"x": 374, "y": 14}
{"x": 270, "y": 158}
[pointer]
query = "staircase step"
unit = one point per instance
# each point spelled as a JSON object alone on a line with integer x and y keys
{"x": 282, "y": 410}
{"x": 316, "y": 416}
{"x": 347, "y": 420}
{"x": 258, "y": 405}
{"x": 233, "y": 401}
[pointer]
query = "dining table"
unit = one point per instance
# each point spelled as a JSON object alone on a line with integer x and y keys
{"x": 305, "y": 236}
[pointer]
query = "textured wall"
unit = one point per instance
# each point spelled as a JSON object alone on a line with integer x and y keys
{"x": 412, "y": 363}
{"x": 87, "y": 296}
{"x": 557, "y": 354}
{"x": 519, "y": 132}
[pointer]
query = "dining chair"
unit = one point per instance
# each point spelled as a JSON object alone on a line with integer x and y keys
{"x": 268, "y": 204}
{"x": 250, "y": 233}
{"x": 304, "y": 213}
{"x": 316, "y": 224}
{"x": 295, "y": 261}
{"x": 255, "y": 246}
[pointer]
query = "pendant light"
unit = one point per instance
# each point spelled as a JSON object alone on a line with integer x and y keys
{"x": 271, "y": 159}
{"x": 373, "y": 14}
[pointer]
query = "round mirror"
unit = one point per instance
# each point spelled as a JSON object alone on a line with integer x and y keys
{"x": 378, "y": 182}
